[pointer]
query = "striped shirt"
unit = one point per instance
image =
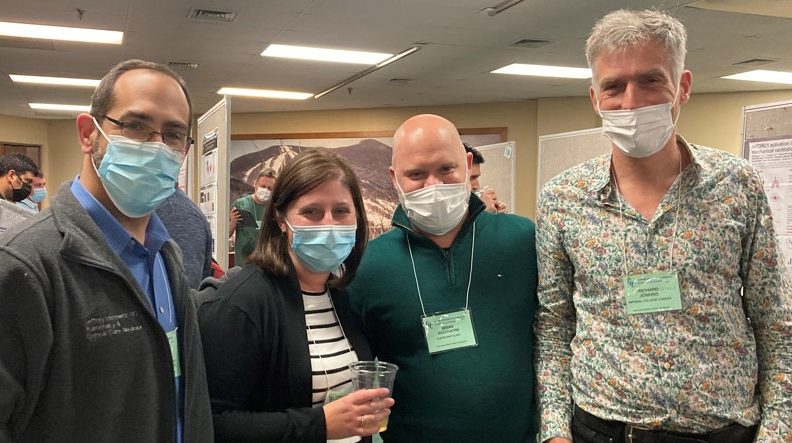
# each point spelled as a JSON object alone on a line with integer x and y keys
{"x": 331, "y": 353}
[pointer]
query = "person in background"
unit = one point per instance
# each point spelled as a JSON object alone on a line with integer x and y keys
{"x": 278, "y": 334}
{"x": 665, "y": 312}
{"x": 449, "y": 296}
{"x": 486, "y": 194}
{"x": 37, "y": 194}
{"x": 98, "y": 334}
{"x": 246, "y": 216}
{"x": 189, "y": 228}
{"x": 17, "y": 172}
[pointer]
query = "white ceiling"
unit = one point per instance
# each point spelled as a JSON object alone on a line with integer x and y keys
{"x": 461, "y": 47}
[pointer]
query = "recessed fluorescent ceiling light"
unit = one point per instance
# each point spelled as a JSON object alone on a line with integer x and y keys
{"x": 54, "y": 107}
{"x": 59, "y": 81}
{"x": 265, "y": 93}
{"x": 25, "y": 30}
{"x": 325, "y": 55}
{"x": 544, "y": 71}
{"x": 761, "y": 75}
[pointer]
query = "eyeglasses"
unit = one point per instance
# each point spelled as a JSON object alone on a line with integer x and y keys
{"x": 176, "y": 140}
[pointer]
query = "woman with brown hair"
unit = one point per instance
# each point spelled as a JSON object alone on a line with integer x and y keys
{"x": 278, "y": 335}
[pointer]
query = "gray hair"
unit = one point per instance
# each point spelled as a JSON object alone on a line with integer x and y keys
{"x": 102, "y": 98}
{"x": 624, "y": 28}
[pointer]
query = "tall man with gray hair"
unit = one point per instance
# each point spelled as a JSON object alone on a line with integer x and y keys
{"x": 665, "y": 315}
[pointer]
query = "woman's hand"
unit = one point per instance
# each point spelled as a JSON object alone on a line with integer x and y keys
{"x": 358, "y": 413}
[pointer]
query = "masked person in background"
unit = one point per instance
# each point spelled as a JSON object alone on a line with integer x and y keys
{"x": 279, "y": 334}
{"x": 652, "y": 259}
{"x": 17, "y": 174}
{"x": 485, "y": 194}
{"x": 37, "y": 195}
{"x": 449, "y": 295}
{"x": 99, "y": 339}
{"x": 246, "y": 216}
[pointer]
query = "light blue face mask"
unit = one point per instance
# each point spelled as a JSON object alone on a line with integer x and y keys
{"x": 38, "y": 195}
{"x": 137, "y": 175}
{"x": 322, "y": 248}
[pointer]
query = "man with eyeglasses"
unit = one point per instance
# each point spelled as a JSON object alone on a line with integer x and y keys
{"x": 17, "y": 172}
{"x": 98, "y": 337}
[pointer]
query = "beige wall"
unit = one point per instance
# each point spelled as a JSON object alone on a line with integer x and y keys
{"x": 716, "y": 119}
{"x": 709, "y": 119}
{"x": 65, "y": 152}
{"x": 25, "y": 131}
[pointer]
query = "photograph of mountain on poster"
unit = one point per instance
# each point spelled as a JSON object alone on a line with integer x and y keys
{"x": 369, "y": 158}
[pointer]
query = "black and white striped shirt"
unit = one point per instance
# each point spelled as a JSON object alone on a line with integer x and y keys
{"x": 330, "y": 351}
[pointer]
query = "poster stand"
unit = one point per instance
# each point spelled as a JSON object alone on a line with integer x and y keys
{"x": 214, "y": 137}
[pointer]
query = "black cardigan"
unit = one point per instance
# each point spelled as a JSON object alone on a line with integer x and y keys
{"x": 257, "y": 361}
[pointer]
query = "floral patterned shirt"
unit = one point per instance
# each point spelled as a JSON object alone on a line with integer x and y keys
{"x": 725, "y": 357}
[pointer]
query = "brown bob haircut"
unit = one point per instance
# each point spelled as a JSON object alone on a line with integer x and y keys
{"x": 302, "y": 174}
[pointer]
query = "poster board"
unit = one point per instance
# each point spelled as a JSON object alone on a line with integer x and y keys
{"x": 559, "y": 152}
{"x": 213, "y": 140}
{"x": 767, "y": 144}
{"x": 369, "y": 154}
{"x": 498, "y": 170}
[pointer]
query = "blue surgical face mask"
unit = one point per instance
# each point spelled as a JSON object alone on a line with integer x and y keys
{"x": 322, "y": 248}
{"x": 136, "y": 175}
{"x": 38, "y": 195}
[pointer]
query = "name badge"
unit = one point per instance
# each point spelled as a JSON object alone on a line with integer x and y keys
{"x": 334, "y": 394}
{"x": 173, "y": 341}
{"x": 648, "y": 293}
{"x": 446, "y": 331}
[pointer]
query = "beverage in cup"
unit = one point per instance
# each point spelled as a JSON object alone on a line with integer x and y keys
{"x": 373, "y": 374}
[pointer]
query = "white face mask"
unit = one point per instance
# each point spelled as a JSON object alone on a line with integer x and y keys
{"x": 263, "y": 194}
{"x": 436, "y": 209}
{"x": 639, "y": 132}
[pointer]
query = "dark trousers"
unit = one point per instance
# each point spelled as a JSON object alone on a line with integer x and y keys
{"x": 587, "y": 428}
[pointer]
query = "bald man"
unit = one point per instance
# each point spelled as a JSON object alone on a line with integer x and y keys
{"x": 449, "y": 296}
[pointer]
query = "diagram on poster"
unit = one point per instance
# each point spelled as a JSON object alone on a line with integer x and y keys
{"x": 209, "y": 158}
{"x": 208, "y": 200}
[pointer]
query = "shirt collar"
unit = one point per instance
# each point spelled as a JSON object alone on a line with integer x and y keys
{"x": 601, "y": 176}
{"x": 118, "y": 237}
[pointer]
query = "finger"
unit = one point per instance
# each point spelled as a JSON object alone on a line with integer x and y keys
{"x": 379, "y": 416}
{"x": 365, "y": 396}
{"x": 370, "y": 424}
{"x": 382, "y": 403}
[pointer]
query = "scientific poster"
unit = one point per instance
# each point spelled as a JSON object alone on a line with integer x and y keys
{"x": 773, "y": 159}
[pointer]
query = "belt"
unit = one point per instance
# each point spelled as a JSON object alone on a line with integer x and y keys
{"x": 633, "y": 433}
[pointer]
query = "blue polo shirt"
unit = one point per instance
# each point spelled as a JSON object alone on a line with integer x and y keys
{"x": 146, "y": 264}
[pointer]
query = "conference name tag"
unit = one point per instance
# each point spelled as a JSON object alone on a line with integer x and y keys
{"x": 334, "y": 394}
{"x": 173, "y": 342}
{"x": 446, "y": 331}
{"x": 649, "y": 293}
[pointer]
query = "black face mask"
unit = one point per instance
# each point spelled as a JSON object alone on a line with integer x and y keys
{"x": 22, "y": 193}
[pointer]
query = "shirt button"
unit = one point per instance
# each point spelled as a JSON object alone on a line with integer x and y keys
{"x": 162, "y": 311}
{"x": 666, "y": 365}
